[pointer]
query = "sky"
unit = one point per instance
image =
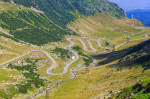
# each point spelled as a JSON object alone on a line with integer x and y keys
{"x": 128, "y": 5}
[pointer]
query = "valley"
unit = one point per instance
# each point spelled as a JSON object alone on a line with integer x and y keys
{"x": 69, "y": 69}
{"x": 81, "y": 50}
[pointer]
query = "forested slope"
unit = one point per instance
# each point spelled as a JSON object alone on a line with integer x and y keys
{"x": 30, "y": 26}
{"x": 43, "y": 21}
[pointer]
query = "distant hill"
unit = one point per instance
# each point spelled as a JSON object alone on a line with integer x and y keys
{"x": 142, "y": 15}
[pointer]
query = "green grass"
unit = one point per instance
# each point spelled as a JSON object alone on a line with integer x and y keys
{"x": 32, "y": 81}
{"x": 36, "y": 28}
{"x": 137, "y": 36}
{"x": 6, "y": 75}
{"x": 98, "y": 82}
{"x": 87, "y": 59}
{"x": 139, "y": 91}
{"x": 73, "y": 9}
{"x": 102, "y": 26}
{"x": 30, "y": 26}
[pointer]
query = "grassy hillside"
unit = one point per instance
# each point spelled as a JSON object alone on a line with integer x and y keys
{"x": 64, "y": 11}
{"x": 31, "y": 80}
{"x": 104, "y": 26}
{"x": 32, "y": 22}
{"x": 111, "y": 76}
{"x": 137, "y": 56}
{"x": 140, "y": 90}
{"x": 28, "y": 25}
{"x": 39, "y": 22}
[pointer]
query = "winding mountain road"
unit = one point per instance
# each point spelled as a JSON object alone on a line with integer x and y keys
{"x": 146, "y": 35}
{"x": 49, "y": 71}
{"x": 47, "y": 54}
{"x": 99, "y": 44}
{"x": 93, "y": 49}
{"x": 54, "y": 64}
{"x": 84, "y": 46}
{"x": 27, "y": 54}
{"x": 121, "y": 44}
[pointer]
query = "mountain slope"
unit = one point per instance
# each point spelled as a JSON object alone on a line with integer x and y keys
{"x": 104, "y": 26}
{"x": 29, "y": 25}
{"x": 64, "y": 11}
{"x": 105, "y": 81}
{"x": 133, "y": 56}
{"x": 137, "y": 56}
{"x": 41, "y": 21}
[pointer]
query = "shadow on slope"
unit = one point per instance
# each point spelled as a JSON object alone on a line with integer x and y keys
{"x": 136, "y": 55}
{"x": 110, "y": 57}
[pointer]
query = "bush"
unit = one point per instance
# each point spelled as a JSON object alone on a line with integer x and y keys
{"x": 22, "y": 89}
{"x": 31, "y": 27}
{"x": 34, "y": 78}
{"x": 86, "y": 58}
{"x": 63, "y": 52}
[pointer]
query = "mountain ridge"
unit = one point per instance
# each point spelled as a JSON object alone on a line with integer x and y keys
{"x": 142, "y": 15}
